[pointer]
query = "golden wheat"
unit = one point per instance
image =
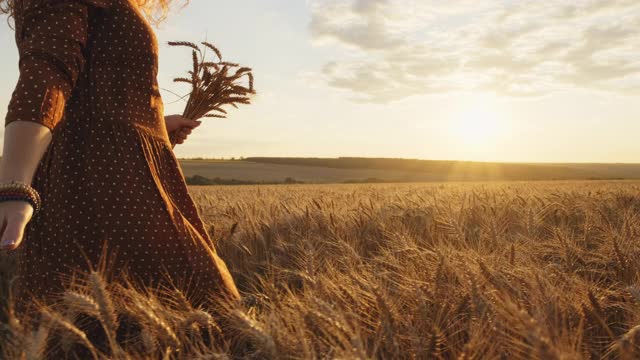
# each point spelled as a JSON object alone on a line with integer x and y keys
{"x": 213, "y": 84}
{"x": 443, "y": 271}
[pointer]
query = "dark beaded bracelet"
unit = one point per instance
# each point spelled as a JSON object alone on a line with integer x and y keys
{"x": 16, "y": 191}
{"x": 26, "y": 199}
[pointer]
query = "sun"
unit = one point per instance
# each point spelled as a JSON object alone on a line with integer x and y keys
{"x": 477, "y": 128}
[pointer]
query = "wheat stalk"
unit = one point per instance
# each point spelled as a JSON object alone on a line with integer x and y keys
{"x": 145, "y": 311}
{"x": 77, "y": 302}
{"x": 106, "y": 311}
{"x": 212, "y": 84}
{"x": 70, "y": 328}
{"x": 37, "y": 343}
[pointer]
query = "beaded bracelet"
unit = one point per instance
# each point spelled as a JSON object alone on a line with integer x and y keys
{"x": 16, "y": 191}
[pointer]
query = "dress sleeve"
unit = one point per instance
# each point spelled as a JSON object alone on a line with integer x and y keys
{"x": 51, "y": 36}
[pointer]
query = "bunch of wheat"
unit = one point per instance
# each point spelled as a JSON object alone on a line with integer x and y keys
{"x": 214, "y": 84}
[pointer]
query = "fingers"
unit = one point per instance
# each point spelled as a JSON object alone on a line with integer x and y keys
{"x": 180, "y": 138}
{"x": 14, "y": 231}
{"x": 188, "y": 123}
{"x": 176, "y": 122}
{"x": 181, "y": 134}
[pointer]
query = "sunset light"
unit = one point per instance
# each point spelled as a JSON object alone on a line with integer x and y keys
{"x": 478, "y": 128}
{"x": 362, "y": 179}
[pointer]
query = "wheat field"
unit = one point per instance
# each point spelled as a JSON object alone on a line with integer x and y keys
{"x": 538, "y": 270}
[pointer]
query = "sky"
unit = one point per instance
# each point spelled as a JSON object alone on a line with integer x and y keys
{"x": 485, "y": 80}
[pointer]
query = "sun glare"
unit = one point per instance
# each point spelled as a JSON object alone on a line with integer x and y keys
{"x": 477, "y": 128}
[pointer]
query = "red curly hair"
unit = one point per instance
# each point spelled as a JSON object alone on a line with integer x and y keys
{"x": 155, "y": 10}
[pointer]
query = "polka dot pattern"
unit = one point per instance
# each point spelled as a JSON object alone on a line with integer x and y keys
{"x": 109, "y": 180}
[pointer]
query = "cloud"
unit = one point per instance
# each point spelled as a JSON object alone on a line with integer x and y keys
{"x": 361, "y": 24}
{"x": 400, "y": 48}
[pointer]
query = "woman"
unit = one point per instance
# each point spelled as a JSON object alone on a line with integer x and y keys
{"x": 85, "y": 131}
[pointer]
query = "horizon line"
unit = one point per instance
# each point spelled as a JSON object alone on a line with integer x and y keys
{"x": 241, "y": 158}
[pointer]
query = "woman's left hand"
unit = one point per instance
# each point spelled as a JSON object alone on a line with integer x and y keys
{"x": 175, "y": 122}
{"x": 179, "y": 128}
{"x": 179, "y": 136}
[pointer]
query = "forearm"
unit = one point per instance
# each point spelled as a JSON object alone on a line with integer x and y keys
{"x": 25, "y": 142}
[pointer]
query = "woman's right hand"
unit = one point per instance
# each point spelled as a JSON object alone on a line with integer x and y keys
{"x": 14, "y": 217}
{"x": 25, "y": 142}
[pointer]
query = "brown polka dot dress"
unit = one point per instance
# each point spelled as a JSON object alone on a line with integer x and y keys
{"x": 88, "y": 72}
